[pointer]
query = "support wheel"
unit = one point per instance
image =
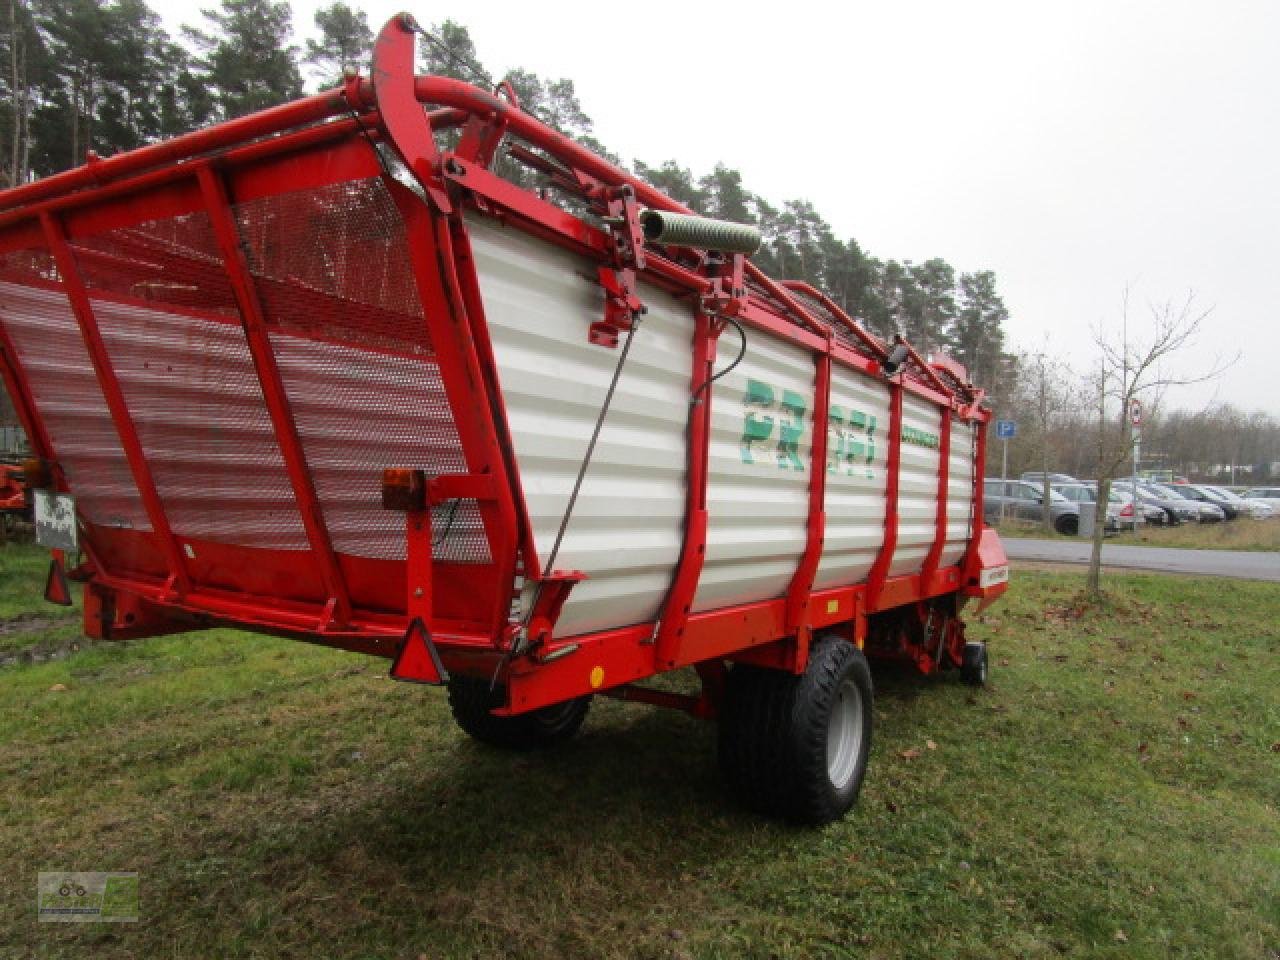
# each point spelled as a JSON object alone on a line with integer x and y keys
{"x": 973, "y": 670}
{"x": 472, "y": 701}
{"x": 1068, "y": 525}
{"x": 796, "y": 747}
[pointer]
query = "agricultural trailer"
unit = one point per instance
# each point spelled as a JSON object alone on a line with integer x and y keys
{"x": 400, "y": 369}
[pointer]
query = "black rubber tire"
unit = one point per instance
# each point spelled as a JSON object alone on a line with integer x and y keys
{"x": 1067, "y": 525}
{"x": 472, "y": 702}
{"x": 973, "y": 670}
{"x": 773, "y": 734}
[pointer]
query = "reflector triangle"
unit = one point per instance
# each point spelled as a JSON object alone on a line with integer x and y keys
{"x": 56, "y": 588}
{"x": 418, "y": 661}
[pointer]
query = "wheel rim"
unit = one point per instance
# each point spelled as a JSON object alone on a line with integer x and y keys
{"x": 844, "y": 735}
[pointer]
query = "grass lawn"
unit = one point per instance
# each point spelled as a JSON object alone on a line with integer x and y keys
{"x": 1113, "y": 793}
{"x": 1240, "y": 534}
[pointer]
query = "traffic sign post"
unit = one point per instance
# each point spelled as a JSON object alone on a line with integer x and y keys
{"x": 1005, "y": 431}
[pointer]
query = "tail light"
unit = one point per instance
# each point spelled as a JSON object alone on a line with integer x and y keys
{"x": 1126, "y": 510}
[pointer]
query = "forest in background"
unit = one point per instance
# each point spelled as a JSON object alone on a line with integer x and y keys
{"x": 105, "y": 76}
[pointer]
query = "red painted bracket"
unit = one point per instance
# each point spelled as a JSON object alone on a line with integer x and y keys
{"x": 728, "y": 294}
{"x": 553, "y": 591}
{"x": 621, "y": 302}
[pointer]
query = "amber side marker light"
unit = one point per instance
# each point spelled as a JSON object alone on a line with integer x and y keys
{"x": 36, "y": 474}
{"x": 404, "y": 489}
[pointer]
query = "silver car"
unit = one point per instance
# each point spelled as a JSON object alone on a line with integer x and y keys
{"x": 1013, "y": 498}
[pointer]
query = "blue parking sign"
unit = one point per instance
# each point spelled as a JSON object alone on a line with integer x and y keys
{"x": 1006, "y": 429}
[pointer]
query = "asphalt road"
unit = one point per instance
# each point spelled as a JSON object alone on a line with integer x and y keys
{"x": 1241, "y": 564}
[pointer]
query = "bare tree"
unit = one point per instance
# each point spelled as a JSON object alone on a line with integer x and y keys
{"x": 1044, "y": 391}
{"x": 1137, "y": 369}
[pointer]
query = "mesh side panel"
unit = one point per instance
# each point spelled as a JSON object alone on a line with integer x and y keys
{"x": 332, "y": 270}
{"x": 52, "y": 353}
{"x": 333, "y": 263}
{"x": 359, "y": 411}
{"x": 173, "y": 261}
{"x": 195, "y": 399}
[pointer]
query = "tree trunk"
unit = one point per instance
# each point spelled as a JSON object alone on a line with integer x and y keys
{"x": 1093, "y": 582}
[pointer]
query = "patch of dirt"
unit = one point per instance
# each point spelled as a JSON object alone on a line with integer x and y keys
{"x": 31, "y": 622}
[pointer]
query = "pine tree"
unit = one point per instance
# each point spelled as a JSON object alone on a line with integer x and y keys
{"x": 977, "y": 335}
{"x": 248, "y": 62}
{"x": 345, "y": 41}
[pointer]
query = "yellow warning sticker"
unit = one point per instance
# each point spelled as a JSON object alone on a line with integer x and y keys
{"x": 833, "y": 606}
{"x": 597, "y": 677}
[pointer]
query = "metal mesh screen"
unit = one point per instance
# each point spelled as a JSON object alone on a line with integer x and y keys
{"x": 52, "y": 353}
{"x": 173, "y": 261}
{"x": 195, "y": 399}
{"x": 333, "y": 272}
{"x": 172, "y": 328}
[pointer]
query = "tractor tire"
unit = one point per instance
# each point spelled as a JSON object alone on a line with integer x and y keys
{"x": 472, "y": 701}
{"x": 796, "y": 747}
{"x": 973, "y": 670}
{"x": 1067, "y": 525}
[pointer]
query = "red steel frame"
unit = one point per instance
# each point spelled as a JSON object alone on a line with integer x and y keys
{"x": 327, "y": 138}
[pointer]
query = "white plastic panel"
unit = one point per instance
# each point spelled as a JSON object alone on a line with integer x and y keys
{"x": 627, "y": 526}
{"x": 917, "y": 484}
{"x": 759, "y": 465}
{"x": 959, "y": 493}
{"x": 857, "y": 444}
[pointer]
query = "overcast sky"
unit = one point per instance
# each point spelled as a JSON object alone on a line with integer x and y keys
{"x": 1074, "y": 149}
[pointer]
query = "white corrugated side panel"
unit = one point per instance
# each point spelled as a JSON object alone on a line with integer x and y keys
{"x": 628, "y": 523}
{"x": 959, "y": 493}
{"x": 857, "y": 444}
{"x": 917, "y": 484}
{"x": 758, "y": 510}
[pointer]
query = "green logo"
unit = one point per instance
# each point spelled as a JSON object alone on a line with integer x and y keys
{"x": 855, "y": 442}
{"x": 772, "y": 429}
{"x": 758, "y": 427}
{"x": 87, "y": 897}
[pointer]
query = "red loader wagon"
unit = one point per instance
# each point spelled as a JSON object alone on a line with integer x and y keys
{"x": 399, "y": 369}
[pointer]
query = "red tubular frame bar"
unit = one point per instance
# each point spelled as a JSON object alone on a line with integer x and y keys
{"x": 801, "y": 588}
{"x": 113, "y": 396}
{"x": 674, "y": 615}
{"x": 253, "y": 322}
{"x": 893, "y": 462}
{"x": 930, "y": 568}
{"x": 390, "y": 107}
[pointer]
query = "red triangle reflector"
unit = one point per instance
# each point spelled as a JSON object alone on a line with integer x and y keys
{"x": 56, "y": 588}
{"x": 418, "y": 661}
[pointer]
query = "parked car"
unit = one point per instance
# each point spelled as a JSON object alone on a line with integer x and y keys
{"x": 1131, "y": 515}
{"x": 1153, "y": 507}
{"x": 1268, "y": 495}
{"x": 1193, "y": 492}
{"x": 1257, "y": 509}
{"x": 1207, "y": 510}
{"x": 1177, "y": 509}
{"x": 1085, "y": 497}
{"x": 1022, "y": 500}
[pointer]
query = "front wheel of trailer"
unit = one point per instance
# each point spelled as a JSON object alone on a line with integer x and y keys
{"x": 473, "y": 701}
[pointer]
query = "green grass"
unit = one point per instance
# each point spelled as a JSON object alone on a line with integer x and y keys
{"x": 1243, "y": 533}
{"x": 27, "y": 623}
{"x": 1114, "y": 793}
{"x": 1240, "y": 534}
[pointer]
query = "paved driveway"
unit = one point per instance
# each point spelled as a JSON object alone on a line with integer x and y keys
{"x": 1217, "y": 563}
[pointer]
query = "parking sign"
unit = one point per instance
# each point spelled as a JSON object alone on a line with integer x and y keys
{"x": 1006, "y": 429}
